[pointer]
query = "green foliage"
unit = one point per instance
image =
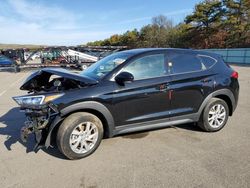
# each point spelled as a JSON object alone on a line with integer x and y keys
{"x": 213, "y": 24}
{"x": 206, "y": 20}
{"x": 238, "y": 22}
{"x": 206, "y": 14}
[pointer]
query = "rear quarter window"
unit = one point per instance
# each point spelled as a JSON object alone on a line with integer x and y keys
{"x": 207, "y": 60}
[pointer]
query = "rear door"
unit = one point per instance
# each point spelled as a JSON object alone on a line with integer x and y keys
{"x": 146, "y": 98}
{"x": 191, "y": 82}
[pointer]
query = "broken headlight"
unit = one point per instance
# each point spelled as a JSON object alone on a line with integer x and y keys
{"x": 35, "y": 100}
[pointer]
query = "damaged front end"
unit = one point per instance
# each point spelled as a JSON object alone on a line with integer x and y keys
{"x": 42, "y": 105}
{"x": 37, "y": 122}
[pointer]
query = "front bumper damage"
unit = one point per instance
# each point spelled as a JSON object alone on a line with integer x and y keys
{"x": 38, "y": 122}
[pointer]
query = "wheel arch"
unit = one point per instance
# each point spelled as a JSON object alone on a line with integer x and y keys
{"x": 228, "y": 101}
{"x": 92, "y": 107}
{"x": 97, "y": 114}
{"x": 224, "y": 94}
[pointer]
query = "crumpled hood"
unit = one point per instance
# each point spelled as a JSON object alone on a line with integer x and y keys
{"x": 42, "y": 77}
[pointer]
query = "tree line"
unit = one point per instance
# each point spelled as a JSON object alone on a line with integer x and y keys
{"x": 212, "y": 24}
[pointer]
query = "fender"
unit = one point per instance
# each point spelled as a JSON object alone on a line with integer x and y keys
{"x": 55, "y": 122}
{"x": 226, "y": 92}
{"x": 93, "y": 105}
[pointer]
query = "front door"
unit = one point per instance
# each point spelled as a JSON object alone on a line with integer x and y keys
{"x": 146, "y": 98}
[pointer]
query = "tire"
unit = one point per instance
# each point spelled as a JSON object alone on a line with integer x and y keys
{"x": 207, "y": 122}
{"x": 77, "y": 144}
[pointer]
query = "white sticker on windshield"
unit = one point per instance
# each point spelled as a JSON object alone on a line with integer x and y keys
{"x": 119, "y": 61}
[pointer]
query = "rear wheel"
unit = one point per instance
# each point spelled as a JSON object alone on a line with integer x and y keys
{"x": 79, "y": 135}
{"x": 215, "y": 115}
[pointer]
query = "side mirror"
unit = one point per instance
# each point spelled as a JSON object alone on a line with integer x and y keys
{"x": 124, "y": 77}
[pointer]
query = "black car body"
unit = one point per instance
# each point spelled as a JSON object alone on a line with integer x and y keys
{"x": 136, "y": 90}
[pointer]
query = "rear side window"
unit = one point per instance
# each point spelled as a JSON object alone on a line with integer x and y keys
{"x": 207, "y": 60}
{"x": 184, "y": 63}
{"x": 149, "y": 66}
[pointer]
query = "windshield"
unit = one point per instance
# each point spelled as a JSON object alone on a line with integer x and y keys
{"x": 104, "y": 66}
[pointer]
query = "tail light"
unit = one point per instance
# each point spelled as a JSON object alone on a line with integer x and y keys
{"x": 235, "y": 75}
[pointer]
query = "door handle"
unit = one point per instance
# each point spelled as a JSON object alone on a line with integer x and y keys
{"x": 163, "y": 87}
{"x": 206, "y": 80}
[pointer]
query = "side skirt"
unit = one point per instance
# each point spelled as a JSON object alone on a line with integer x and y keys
{"x": 156, "y": 124}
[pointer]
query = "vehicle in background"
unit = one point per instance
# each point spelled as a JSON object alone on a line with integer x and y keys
{"x": 7, "y": 64}
{"x": 32, "y": 56}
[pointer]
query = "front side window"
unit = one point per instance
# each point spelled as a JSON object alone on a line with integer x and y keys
{"x": 149, "y": 66}
{"x": 184, "y": 63}
{"x": 104, "y": 66}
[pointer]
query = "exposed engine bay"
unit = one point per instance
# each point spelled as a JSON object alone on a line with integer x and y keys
{"x": 55, "y": 84}
{"x": 48, "y": 80}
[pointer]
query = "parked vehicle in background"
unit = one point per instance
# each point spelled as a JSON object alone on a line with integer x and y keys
{"x": 7, "y": 64}
{"x": 5, "y": 61}
{"x": 125, "y": 92}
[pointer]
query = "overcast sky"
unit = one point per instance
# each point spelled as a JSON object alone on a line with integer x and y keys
{"x": 64, "y": 22}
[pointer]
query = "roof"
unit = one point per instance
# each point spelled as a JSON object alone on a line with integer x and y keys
{"x": 144, "y": 50}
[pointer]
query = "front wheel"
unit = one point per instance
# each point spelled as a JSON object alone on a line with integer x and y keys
{"x": 79, "y": 135}
{"x": 215, "y": 115}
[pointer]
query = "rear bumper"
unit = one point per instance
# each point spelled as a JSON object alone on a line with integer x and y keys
{"x": 235, "y": 89}
{"x": 236, "y": 95}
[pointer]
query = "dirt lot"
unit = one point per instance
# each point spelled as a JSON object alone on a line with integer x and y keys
{"x": 173, "y": 157}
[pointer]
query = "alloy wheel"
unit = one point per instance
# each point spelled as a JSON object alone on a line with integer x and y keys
{"x": 83, "y": 137}
{"x": 216, "y": 115}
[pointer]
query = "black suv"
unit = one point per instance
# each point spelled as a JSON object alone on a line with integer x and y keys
{"x": 127, "y": 91}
